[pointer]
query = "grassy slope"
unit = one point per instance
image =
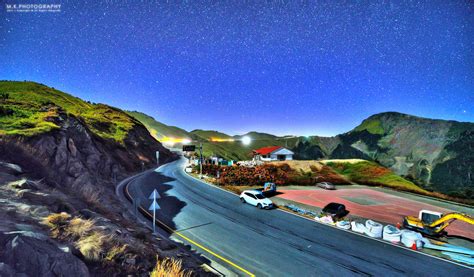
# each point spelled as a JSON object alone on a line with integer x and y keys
{"x": 209, "y": 134}
{"x": 234, "y": 150}
{"x": 373, "y": 126}
{"x": 358, "y": 171}
{"x": 370, "y": 173}
{"x": 31, "y": 109}
{"x": 158, "y": 129}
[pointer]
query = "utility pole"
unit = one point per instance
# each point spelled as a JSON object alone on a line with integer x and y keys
{"x": 200, "y": 160}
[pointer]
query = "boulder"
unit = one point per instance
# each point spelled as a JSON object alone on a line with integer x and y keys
{"x": 72, "y": 147}
{"x": 29, "y": 256}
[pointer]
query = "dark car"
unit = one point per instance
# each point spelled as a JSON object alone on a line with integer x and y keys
{"x": 326, "y": 185}
{"x": 335, "y": 210}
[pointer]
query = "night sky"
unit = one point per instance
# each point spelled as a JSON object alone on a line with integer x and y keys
{"x": 284, "y": 67}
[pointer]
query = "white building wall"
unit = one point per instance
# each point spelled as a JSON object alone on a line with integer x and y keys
{"x": 274, "y": 157}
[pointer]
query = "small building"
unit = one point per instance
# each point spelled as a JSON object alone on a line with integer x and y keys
{"x": 273, "y": 153}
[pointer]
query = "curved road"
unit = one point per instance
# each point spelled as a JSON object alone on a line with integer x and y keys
{"x": 271, "y": 242}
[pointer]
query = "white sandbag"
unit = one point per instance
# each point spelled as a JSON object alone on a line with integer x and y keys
{"x": 358, "y": 227}
{"x": 391, "y": 233}
{"x": 325, "y": 219}
{"x": 408, "y": 238}
{"x": 343, "y": 224}
{"x": 373, "y": 229}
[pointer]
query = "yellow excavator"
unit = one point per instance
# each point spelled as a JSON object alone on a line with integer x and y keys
{"x": 433, "y": 223}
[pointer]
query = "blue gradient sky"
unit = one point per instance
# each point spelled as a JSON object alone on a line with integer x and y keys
{"x": 284, "y": 67}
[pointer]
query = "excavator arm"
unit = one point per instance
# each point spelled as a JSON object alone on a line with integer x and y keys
{"x": 447, "y": 219}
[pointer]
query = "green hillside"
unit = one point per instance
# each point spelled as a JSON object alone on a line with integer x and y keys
{"x": 230, "y": 147}
{"x": 430, "y": 152}
{"x": 158, "y": 129}
{"x": 29, "y": 109}
{"x": 370, "y": 173}
{"x": 434, "y": 153}
{"x": 209, "y": 134}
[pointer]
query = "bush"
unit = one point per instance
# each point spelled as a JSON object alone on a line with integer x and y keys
{"x": 169, "y": 268}
{"x": 4, "y": 95}
{"x": 79, "y": 227}
{"x": 57, "y": 223}
{"x": 90, "y": 194}
{"x": 92, "y": 242}
{"x": 94, "y": 245}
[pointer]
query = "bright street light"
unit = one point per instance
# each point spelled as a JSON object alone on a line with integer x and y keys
{"x": 246, "y": 140}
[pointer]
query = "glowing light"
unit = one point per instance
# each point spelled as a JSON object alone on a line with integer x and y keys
{"x": 246, "y": 140}
{"x": 172, "y": 141}
{"x": 222, "y": 139}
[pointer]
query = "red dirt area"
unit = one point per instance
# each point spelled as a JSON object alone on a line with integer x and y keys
{"x": 375, "y": 205}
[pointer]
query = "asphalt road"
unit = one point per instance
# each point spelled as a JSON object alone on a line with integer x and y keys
{"x": 272, "y": 242}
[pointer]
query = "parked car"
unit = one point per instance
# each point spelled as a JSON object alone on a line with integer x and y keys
{"x": 256, "y": 198}
{"x": 326, "y": 185}
{"x": 335, "y": 210}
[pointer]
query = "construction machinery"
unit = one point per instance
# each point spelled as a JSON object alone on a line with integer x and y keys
{"x": 269, "y": 189}
{"x": 434, "y": 223}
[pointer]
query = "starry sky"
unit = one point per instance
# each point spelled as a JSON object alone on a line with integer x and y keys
{"x": 283, "y": 67}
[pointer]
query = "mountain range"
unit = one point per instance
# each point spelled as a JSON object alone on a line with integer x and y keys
{"x": 106, "y": 141}
{"x": 436, "y": 154}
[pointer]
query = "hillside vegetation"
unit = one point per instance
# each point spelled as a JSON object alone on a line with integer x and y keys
{"x": 30, "y": 109}
{"x": 60, "y": 161}
{"x": 436, "y": 155}
{"x": 370, "y": 173}
{"x": 157, "y": 129}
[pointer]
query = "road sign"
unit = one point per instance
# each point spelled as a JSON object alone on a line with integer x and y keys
{"x": 189, "y": 148}
{"x": 154, "y": 195}
{"x": 154, "y": 206}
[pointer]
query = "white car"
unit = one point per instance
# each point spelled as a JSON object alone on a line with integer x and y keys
{"x": 256, "y": 198}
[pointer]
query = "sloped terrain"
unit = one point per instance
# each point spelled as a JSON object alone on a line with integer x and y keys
{"x": 435, "y": 154}
{"x": 62, "y": 156}
{"x": 159, "y": 130}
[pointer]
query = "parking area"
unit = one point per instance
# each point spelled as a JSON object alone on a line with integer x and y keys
{"x": 377, "y": 205}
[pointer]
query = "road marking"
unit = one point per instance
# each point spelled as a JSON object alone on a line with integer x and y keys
{"x": 172, "y": 231}
{"x": 348, "y": 231}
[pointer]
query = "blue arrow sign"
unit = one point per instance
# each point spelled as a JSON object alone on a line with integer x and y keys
{"x": 154, "y": 206}
{"x": 154, "y": 195}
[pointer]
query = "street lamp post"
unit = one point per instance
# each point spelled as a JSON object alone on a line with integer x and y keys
{"x": 200, "y": 160}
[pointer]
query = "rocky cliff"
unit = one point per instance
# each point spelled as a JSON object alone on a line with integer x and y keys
{"x": 60, "y": 157}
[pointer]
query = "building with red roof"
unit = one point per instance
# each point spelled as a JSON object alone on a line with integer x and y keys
{"x": 272, "y": 153}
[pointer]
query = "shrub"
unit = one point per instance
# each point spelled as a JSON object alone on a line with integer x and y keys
{"x": 57, "y": 223}
{"x": 115, "y": 251}
{"x": 169, "y": 268}
{"x": 93, "y": 246}
{"x": 4, "y": 95}
{"x": 93, "y": 243}
{"x": 90, "y": 194}
{"x": 79, "y": 227}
